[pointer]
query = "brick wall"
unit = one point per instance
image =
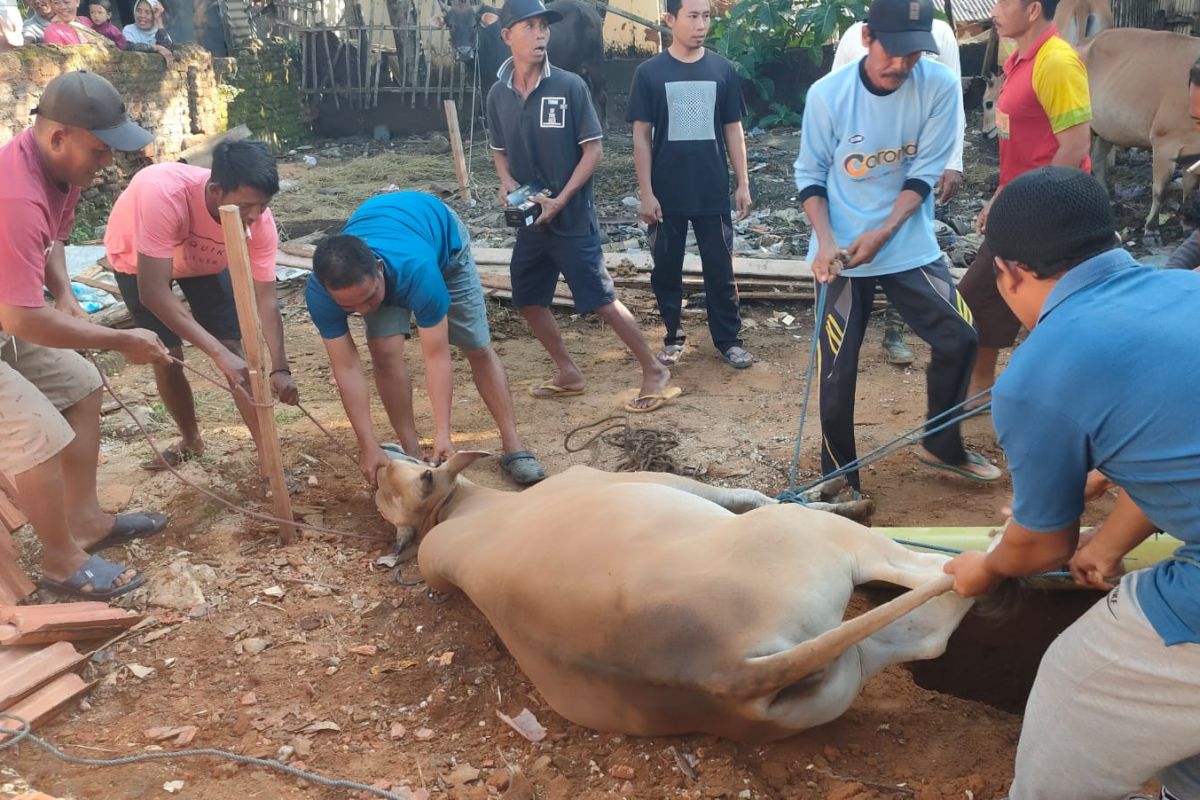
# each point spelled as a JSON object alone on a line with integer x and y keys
{"x": 180, "y": 104}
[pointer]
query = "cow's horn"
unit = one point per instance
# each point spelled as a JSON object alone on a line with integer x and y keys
{"x": 770, "y": 673}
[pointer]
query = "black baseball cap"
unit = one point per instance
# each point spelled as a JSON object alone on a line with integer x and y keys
{"x": 903, "y": 26}
{"x": 516, "y": 10}
{"x": 85, "y": 100}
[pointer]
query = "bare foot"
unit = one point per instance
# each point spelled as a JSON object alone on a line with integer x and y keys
{"x": 653, "y": 382}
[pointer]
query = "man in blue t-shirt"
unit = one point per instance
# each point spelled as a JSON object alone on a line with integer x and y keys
{"x": 401, "y": 255}
{"x": 877, "y": 137}
{"x": 1106, "y": 381}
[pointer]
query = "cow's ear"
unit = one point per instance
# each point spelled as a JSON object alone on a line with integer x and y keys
{"x": 426, "y": 481}
{"x": 439, "y": 22}
{"x": 488, "y": 18}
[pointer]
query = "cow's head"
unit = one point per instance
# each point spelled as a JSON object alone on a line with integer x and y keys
{"x": 411, "y": 493}
{"x": 990, "y": 94}
{"x": 463, "y": 22}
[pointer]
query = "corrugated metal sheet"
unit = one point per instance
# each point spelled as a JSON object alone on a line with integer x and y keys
{"x": 966, "y": 11}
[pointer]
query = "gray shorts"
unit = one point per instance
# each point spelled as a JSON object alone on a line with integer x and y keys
{"x": 467, "y": 317}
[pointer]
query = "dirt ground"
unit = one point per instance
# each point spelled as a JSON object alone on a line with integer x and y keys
{"x": 310, "y": 651}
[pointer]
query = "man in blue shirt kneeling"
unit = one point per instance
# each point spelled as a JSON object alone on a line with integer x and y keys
{"x": 402, "y": 255}
{"x": 1106, "y": 381}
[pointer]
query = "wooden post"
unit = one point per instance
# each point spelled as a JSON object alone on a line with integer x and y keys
{"x": 260, "y": 385}
{"x": 456, "y": 145}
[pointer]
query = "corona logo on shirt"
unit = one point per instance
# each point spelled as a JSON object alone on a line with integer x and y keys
{"x": 859, "y": 164}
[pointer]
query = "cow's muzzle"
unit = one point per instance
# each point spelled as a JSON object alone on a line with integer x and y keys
{"x": 465, "y": 53}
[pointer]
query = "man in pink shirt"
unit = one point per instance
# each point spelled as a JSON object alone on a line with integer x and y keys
{"x": 49, "y": 394}
{"x": 165, "y": 229}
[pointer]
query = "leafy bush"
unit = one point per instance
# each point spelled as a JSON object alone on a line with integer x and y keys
{"x": 759, "y": 33}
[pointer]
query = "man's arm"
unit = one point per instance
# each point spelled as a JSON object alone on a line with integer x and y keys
{"x": 1020, "y": 553}
{"x": 1073, "y": 145}
{"x": 439, "y": 382}
{"x": 154, "y": 289}
{"x": 1187, "y": 254}
{"x": 272, "y": 324}
{"x": 588, "y": 161}
{"x": 811, "y": 170}
{"x": 735, "y": 145}
{"x": 58, "y": 282}
{"x": 651, "y": 210}
{"x": 352, "y": 386}
{"x": 1099, "y": 558}
{"x": 827, "y": 264}
{"x": 50, "y": 328}
{"x": 507, "y": 182}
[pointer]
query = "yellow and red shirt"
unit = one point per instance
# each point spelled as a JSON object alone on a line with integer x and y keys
{"x": 1045, "y": 92}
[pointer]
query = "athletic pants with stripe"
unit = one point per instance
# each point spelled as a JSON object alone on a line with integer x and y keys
{"x": 928, "y": 302}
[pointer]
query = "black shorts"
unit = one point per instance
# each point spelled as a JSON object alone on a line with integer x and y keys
{"x": 539, "y": 257}
{"x": 210, "y": 298}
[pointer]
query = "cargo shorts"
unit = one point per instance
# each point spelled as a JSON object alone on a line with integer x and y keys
{"x": 36, "y": 385}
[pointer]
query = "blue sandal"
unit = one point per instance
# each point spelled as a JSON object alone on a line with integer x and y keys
{"x": 101, "y": 574}
{"x": 737, "y": 357}
{"x": 129, "y": 527}
{"x": 523, "y": 467}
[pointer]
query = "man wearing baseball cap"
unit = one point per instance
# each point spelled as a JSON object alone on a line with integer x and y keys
{"x": 876, "y": 139}
{"x": 49, "y": 394}
{"x": 1106, "y": 381}
{"x": 543, "y": 130}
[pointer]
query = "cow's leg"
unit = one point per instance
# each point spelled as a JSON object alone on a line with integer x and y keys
{"x": 738, "y": 501}
{"x": 919, "y": 635}
{"x": 1163, "y": 165}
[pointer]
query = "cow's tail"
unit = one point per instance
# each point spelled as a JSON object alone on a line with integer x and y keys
{"x": 767, "y": 674}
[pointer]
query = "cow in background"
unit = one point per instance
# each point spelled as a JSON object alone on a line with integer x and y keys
{"x": 576, "y": 44}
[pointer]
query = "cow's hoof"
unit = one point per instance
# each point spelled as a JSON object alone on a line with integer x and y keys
{"x": 437, "y": 598}
{"x": 398, "y": 577}
{"x": 1151, "y": 238}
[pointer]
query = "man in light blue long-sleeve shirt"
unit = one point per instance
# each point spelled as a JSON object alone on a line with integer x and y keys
{"x": 877, "y": 135}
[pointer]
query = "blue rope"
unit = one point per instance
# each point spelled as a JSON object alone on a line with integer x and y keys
{"x": 819, "y": 316}
{"x": 955, "y": 551}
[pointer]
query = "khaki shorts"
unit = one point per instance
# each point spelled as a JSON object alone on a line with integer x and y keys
{"x": 36, "y": 384}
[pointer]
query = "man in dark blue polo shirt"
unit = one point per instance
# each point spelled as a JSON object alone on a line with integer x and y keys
{"x": 1106, "y": 381}
{"x": 401, "y": 255}
{"x": 543, "y": 130}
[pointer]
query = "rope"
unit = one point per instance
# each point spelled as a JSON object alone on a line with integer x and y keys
{"x": 646, "y": 449}
{"x": 25, "y": 734}
{"x": 818, "y": 316}
{"x": 939, "y": 548}
{"x": 206, "y": 491}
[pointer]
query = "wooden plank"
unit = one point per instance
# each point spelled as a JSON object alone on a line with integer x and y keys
{"x": 748, "y": 267}
{"x": 456, "y": 147}
{"x": 283, "y": 259}
{"x": 260, "y": 389}
{"x": 47, "y": 702}
{"x": 35, "y": 667}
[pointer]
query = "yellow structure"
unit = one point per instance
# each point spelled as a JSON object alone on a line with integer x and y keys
{"x": 623, "y": 35}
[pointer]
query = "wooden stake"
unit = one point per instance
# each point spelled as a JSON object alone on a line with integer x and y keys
{"x": 456, "y": 144}
{"x": 260, "y": 386}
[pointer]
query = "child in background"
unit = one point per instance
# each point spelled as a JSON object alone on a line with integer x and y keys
{"x": 146, "y": 34}
{"x": 99, "y": 19}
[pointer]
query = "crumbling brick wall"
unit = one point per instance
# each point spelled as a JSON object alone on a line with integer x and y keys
{"x": 180, "y": 104}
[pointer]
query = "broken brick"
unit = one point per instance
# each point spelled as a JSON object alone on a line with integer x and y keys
{"x": 44, "y": 704}
{"x": 24, "y": 669}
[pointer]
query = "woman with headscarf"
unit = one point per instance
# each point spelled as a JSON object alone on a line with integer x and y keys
{"x": 146, "y": 34}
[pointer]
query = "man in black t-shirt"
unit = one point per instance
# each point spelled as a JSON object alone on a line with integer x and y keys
{"x": 543, "y": 130}
{"x": 686, "y": 108}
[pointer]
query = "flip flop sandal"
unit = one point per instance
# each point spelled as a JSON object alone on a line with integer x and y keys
{"x": 994, "y": 472}
{"x": 523, "y": 467}
{"x": 129, "y": 527}
{"x": 548, "y": 390}
{"x": 171, "y": 457}
{"x": 737, "y": 357}
{"x": 660, "y": 399}
{"x": 101, "y": 574}
{"x": 670, "y": 355}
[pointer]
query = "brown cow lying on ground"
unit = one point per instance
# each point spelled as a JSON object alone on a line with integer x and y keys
{"x": 652, "y": 604}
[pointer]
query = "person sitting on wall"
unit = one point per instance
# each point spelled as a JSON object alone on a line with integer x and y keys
{"x": 99, "y": 19}
{"x": 146, "y": 34}
{"x": 65, "y": 29}
{"x": 33, "y": 29}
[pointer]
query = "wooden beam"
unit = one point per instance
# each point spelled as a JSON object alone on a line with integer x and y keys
{"x": 456, "y": 146}
{"x": 271, "y": 459}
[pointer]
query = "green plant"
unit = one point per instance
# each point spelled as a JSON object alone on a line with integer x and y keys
{"x": 780, "y": 115}
{"x": 759, "y": 33}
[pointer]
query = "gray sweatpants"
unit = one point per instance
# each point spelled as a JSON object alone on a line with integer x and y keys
{"x": 1111, "y": 708}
